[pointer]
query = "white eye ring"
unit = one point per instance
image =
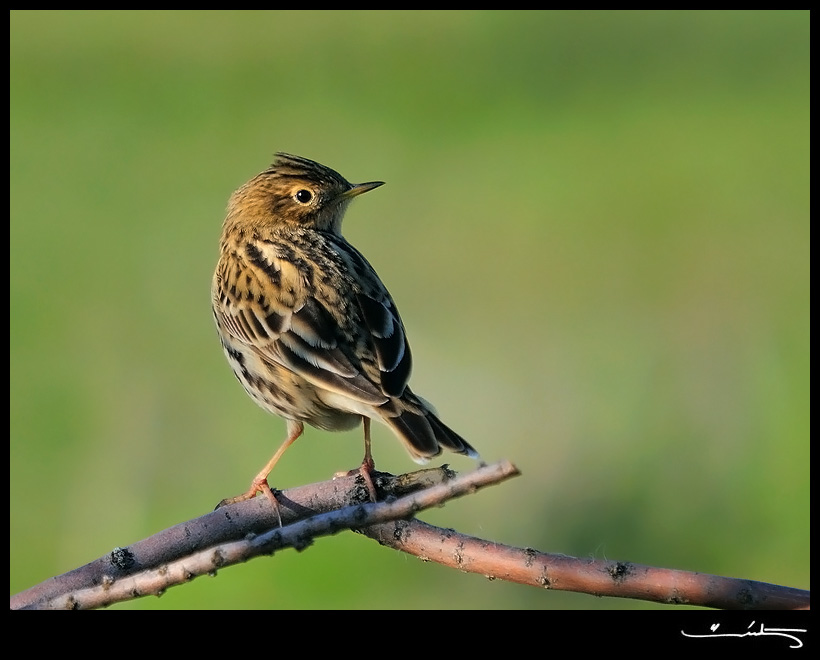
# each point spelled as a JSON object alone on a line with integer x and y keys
{"x": 303, "y": 196}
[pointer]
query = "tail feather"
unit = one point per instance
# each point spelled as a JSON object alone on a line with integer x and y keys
{"x": 450, "y": 439}
{"x": 424, "y": 434}
{"x": 417, "y": 434}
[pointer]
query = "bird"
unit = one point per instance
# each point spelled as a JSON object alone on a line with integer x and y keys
{"x": 307, "y": 325}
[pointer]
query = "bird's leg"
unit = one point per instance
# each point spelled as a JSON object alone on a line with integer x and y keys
{"x": 260, "y": 481}
{"x": 368, "y": 465}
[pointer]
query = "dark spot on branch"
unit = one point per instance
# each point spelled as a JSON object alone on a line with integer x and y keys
{"x": 529, "y": 556}
{"x": 302, "y": 542}
{"x": 122, "y": 558}
{"x": 619, "y": 571}
{"x": 400, "y": 531}
{"x": 218, "y": 559}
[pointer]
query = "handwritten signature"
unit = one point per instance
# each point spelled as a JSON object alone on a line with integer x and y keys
{"x": 779, "y": 632}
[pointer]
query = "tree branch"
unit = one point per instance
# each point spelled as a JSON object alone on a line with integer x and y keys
{"x": 248, "y": 529}
{"x": 597, "y": 577}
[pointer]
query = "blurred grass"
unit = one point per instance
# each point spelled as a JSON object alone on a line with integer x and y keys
{"x": 596, "y": 226}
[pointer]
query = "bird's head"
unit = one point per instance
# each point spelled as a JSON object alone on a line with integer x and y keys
{"x": 296, "y": 192}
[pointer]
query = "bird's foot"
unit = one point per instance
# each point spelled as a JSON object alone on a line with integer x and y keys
{"x": 257, "y": 486}
{"x": 365, "y": 470}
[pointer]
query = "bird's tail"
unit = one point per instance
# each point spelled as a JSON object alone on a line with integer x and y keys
{"x": 423, "y": 434}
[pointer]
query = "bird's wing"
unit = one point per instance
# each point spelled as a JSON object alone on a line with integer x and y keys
{"x": 379, "y": 324}
{"x": 386, "y": 332}
{"x": 268, "y": 303}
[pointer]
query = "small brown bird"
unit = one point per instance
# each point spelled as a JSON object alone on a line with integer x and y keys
{"x": 307, "y": 325}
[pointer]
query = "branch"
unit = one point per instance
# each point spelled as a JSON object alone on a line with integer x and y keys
{"x": 597, "y": 577}
{"x": 246, "y": 529}
{"x": 237, "y": 533}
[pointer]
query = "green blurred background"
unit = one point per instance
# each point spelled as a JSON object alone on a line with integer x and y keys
{"x": 596, "y": 226}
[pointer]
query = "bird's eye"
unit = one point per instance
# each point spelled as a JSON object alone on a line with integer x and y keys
{"x": 303, "y": 196}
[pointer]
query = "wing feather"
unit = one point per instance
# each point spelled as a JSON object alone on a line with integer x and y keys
{"x": 389, "y": 341}
{"x": 267, "y": 306}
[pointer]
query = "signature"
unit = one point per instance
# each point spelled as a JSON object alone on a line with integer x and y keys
{"x": 763, "y": 631}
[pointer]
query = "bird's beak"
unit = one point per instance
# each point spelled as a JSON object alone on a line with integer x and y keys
{"x": 360, "y": 188}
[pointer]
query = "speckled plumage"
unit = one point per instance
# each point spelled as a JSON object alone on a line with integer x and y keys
{"x": 306, "y": 324}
